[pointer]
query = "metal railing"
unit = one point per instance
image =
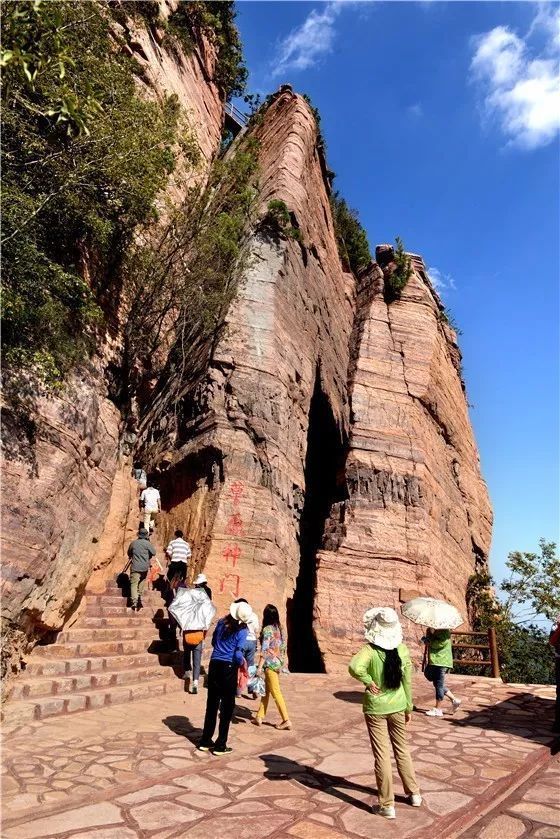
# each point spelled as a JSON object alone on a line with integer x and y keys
{"x": 236, "y": 115}
{"x": 492, "y": 646}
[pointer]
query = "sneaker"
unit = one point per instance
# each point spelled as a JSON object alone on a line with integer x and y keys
{"x": 226, "y": 750}
{"x": 194, "y": 687}
{"x": 285, "y": 725}
{"x": 415, "y": 799}
{"x": 455, "y": 704}
{"x": 386, "y": 812}
{"x": 257, "y": 720}
{"x": 202, "y": 747}
{"x": 134, "y": 607}
{"x": 434, "y": 712}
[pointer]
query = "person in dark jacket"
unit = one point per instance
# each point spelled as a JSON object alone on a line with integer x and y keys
{"x": 140, "y": 552}
{"x": 228, "y": 641}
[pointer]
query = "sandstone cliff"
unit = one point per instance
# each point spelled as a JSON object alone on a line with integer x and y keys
{"x": 62, "y": 465}
{"x": 326, "y": 462}
{"x": 329, "y": 463}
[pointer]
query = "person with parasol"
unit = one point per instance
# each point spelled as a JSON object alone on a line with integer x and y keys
{"x": 440, "y": 618}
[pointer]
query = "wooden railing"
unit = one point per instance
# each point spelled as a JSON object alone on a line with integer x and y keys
{"x": 492, "y": 646}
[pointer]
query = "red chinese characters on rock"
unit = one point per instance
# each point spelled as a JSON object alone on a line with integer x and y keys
{"x": 231, "y": 553}
{"x": 234, "y": 526}
{"x": 231, "y": 583}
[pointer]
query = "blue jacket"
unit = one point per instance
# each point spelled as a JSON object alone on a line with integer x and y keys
{"x": 228, "y": 646}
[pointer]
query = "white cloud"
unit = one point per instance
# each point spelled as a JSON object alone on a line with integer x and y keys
{"x": 415, "y": 110}
{"x": 440, "y": 281}
{"x": 521, "y": 84}
{"x": 307, "y": 43}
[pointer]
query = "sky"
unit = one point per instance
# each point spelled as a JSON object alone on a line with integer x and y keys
{"x": 442, "y": 124}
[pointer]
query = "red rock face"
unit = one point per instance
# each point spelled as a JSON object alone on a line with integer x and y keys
{"x": 418, "y": 518}
{"x": 333, "y": 466}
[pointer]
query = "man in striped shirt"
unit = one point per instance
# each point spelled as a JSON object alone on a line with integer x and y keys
{"x": 179, "y": 553}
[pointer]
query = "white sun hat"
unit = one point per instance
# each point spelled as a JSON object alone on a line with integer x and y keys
{"x": 240, "y": 611}
{"x": 201, "y": 579}
{"x": 382, "y": 627}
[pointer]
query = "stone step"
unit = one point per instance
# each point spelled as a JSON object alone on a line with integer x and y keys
{"x": 120, "y": 621}
{"x": 153, "y": 599}
{"x": 52, "y": 706}
{"x": 59, "y": 667}
{"x": 30, "y": 687}
{"x": 99, "y": 649}
{"x": 146, "y": 631}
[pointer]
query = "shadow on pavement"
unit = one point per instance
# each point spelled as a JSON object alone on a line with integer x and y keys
{"x": 278, "y": 767}
{"x": 349, "y": 695}
{"x": 183, "y": 727}
{"x": 523, "y": 715}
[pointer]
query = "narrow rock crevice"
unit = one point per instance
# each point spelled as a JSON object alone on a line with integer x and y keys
{"x": 324, "y": 486}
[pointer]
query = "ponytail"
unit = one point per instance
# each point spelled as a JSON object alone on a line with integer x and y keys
{"x": 392, "y": 669}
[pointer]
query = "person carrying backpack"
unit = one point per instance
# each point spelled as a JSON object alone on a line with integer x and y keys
{"x": 384, "y": 667}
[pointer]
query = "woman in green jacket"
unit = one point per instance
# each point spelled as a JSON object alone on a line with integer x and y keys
{"x": 383, "y": 665}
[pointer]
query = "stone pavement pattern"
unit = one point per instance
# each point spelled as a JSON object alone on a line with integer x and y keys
{"x": 132, "y": 770}
{"x": 532, "y": 810}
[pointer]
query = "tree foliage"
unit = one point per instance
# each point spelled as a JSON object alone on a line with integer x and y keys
{"x": 83, "y": 159}
{"x": 397, "y": 279}
{"x": 216, "y": 20}
{"x": 351, "y": 238}
{"x": 182, "y": 284}
{"x": 533, "y": 589}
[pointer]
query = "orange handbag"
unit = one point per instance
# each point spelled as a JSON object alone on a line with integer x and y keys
{"x": 192, "y": 637}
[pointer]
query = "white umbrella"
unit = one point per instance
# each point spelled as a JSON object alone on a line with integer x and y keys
{"x": 436, "y": 614}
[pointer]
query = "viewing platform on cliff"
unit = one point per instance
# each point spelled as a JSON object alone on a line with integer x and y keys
{"x": 235, "y": 120}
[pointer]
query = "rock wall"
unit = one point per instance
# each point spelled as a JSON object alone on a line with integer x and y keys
{"x": 418, "y": 517}
{"x": 65, "y": 491}
{"x": 331, "y": 463}
{"x": 288, "y": 337}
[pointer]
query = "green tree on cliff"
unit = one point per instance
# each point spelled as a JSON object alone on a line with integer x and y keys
{"x": 532, "y": 590}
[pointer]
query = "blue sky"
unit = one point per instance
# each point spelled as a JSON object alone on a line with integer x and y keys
{"x": 441, "y": 126}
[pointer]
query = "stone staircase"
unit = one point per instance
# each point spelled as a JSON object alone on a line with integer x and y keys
{"x": 110, "y": 655}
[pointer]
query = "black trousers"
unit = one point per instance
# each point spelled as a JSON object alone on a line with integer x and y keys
{"x": 222, "y": 685}
{"x": 177, "y": 569}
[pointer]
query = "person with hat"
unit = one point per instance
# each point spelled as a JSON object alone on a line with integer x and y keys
{"x": 140, "y": 552}
{"x": 228, "y": 642}
{"x": 193, "y": 610}
{"x": 384, "y": 667}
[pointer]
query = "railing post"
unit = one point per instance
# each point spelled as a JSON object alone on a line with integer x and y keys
{"x": 494, "y": 652}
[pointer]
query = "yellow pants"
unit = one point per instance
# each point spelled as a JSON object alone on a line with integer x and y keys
{"x": 272, "y": 685}
{"x": 386, "y": 730}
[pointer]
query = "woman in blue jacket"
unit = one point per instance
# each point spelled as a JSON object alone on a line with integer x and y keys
{"x": 228, "y": 640}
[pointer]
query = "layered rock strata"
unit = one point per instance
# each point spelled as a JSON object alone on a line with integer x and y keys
{"x": 288, "y": 338}
{"x": 331, "y": 460}
{"x": 418, "y": 518}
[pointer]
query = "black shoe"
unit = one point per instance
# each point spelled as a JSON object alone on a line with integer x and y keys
{"x": 202, "y": 747}
{"x": 134, "y": 608}
{"x": 194, "y": 689}
{"x": 139, "y": 605}
{"x": 225, "y": 751}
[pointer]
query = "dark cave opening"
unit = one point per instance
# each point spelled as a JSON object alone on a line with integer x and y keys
{"x": 323, "y": 486}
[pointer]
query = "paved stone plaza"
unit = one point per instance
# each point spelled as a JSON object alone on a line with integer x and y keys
{"x": 132, "y": 770}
